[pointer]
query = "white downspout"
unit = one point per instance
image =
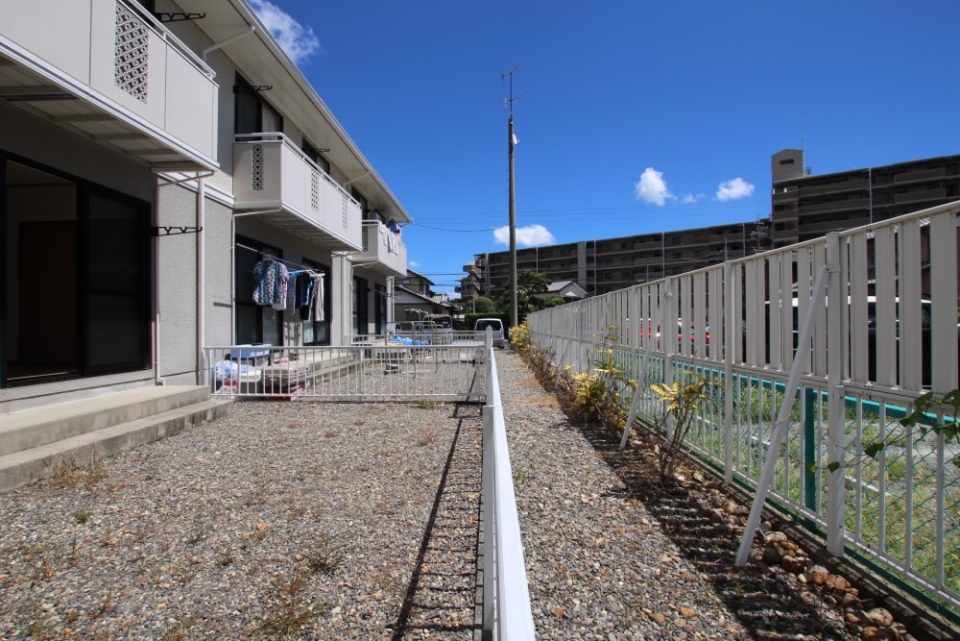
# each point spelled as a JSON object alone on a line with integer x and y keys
{"x": 201, "y": 280}
{"x": 156, "y": 288}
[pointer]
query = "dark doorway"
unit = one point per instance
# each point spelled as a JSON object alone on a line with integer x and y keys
{"x": 75, "y": 283}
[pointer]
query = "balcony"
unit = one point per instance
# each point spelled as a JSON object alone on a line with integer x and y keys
{"x": 383, "y": 251}
{"x": 272, "y": 176}
{"x": 110, "y": 72}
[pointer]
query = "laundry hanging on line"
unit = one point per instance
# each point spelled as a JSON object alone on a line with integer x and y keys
{"x": 270, "y": 278}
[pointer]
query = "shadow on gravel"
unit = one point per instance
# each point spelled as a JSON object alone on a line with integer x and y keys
{"x": 442, "y": 595}
{"x": 763, "y": 602}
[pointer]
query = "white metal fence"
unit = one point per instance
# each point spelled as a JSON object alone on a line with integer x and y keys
{"x": 506, "y": 597}
{"x": 372, "y": 370}
{"x": 862, "y": 321}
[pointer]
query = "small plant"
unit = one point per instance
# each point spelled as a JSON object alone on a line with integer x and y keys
{"x": 682, "y": 402}
{"x": 81, "y": 516}
{"x": 521, "y": 477}
{"x": 67, "y": 472}
{"x": 426, "y": 404}
{"x": 428, "y": 435}
{"x": 324, "y": 556}
{"x": 198, "y": 533}
{"x": 520, "y": 338}
{"x": 293, "y": 613}
{"x": 599, "y": 397}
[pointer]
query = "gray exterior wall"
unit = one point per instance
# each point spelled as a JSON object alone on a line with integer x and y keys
{"x": 218, "y": 240}
{"x": 177, "y": 285}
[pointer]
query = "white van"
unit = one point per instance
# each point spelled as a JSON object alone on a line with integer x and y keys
{"x": 495, "y": 325}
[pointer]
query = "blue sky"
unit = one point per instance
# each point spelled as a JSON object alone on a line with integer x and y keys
{"x": 632, "y": 116}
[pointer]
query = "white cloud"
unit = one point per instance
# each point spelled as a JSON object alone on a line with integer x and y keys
{"x": 689, "y": 199}
{"x": 529, "y": 236}
{"x": 733, "y": 189}
{"x": 297, "y": 40}
{"x": 414, "y": 264}
{"x": 652, "y": 187}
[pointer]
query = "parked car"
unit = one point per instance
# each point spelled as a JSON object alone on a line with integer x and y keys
{"x": 496, "y": 325}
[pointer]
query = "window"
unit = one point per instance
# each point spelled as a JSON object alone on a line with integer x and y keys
{"x": 360, "y": 198}
{"x": 252, "y": 114}
{"x": 314, "y": 154}
{"x": 318, "y": 332}
{"x": 255, "y": 323}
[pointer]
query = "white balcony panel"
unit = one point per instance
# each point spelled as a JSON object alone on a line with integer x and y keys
{"x": 383, "y": 251}
{"x": 110, "y": 62}
{"x": 58, "y": 32}
{"x": 272, "y": 175}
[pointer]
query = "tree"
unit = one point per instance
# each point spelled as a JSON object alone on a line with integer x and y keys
{"x": 483, "y": 305}
{"x": 530, "y": 283}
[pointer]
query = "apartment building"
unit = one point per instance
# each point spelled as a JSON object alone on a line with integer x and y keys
{"x": 806, "y": 206}
{"x": 803, "y": 207}
{"x": 602, "y": 266}
{"x": 151, "y": 154}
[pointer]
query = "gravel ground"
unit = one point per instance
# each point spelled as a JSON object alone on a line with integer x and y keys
{"x": 314, "y": 520}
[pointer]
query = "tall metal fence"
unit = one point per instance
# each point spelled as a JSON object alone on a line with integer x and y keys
{"x": 860, "y": 322}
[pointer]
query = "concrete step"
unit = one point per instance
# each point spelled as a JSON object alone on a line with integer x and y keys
{"x": 50, "y": 459}
{"x": 29, "y": 428}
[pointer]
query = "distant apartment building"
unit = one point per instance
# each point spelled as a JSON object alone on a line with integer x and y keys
{"x": 602, "y": 266}
{"x": 803, "y": 207}
{"x": 806, "y": 206}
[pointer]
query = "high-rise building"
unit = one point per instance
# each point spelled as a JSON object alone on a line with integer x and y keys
{"x": 806, "y": 206}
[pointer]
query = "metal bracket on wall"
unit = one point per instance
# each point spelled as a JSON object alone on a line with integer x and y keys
{"x": 178, "y": 16}
{"x": 171, "y": 230}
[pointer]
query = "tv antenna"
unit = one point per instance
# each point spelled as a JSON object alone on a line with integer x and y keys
{"x": 509, "y": 101}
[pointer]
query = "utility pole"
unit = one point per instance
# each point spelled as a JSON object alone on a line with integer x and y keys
{"x": 513, "y": 205}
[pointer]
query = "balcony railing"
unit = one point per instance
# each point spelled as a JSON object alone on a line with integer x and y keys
{"x": 270, "y": 174}
{"x": 121, "y": 63}
{"x": 382, "y": 250}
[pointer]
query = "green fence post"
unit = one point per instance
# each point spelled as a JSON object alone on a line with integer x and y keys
{"x": 809, "y": 448}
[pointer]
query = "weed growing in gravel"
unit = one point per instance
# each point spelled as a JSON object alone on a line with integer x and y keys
{"x": 520, "y": 477}
{"x": 81, "y": 516}
{"x": 427, "y": 404}
{"x": 323, "y": 556}
{"x": 296, "y": 509}
{"x": 292, "y": 612}
{"x": 179, "y": 631}
{"x": 67, "y": 472}
{"x": 198, "y": 532}
{"x": 428, "y": 435}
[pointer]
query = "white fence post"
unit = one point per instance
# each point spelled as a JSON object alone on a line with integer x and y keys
{"x": 729, "y": 341}
{"x": 836, "y": 441}
{"x": 782, "y": 423}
